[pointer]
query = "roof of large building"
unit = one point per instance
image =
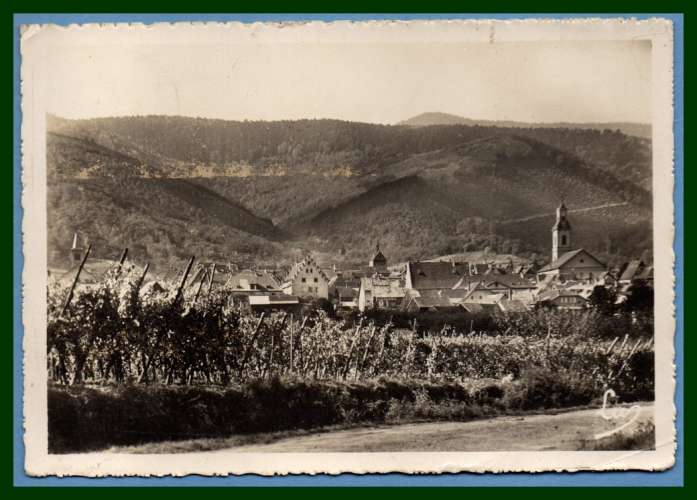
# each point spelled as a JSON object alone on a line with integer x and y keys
{"x": 503, "y": 281}
{"x": 515, "y": 306}
{"x": 437, "y": 274}
{"x": 432, "y": 302}
{"x": 249, "y": 279}
{"x": 565, "y": 258}
{"x": 385, "y": 288}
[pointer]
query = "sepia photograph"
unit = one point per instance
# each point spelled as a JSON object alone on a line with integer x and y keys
{"x": 348, "y": 247}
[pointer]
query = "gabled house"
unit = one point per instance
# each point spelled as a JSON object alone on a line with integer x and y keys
{"x": 381, "y": 292}
{"x": 574, "y": 265}
{"x": 253, "y": 282}
{"x": 306, "y": 279}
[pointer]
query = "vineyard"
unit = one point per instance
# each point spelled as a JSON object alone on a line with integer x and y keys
{"x": 122, "y": 332}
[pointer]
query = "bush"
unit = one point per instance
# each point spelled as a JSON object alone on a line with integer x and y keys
{"x": 546, "y": 388}
{"x": 84, "y": 418}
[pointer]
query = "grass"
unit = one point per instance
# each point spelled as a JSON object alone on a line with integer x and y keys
{"x": 642, "y": 437}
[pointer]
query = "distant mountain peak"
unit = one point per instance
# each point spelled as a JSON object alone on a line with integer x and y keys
{"x": 436, "y": 118}
{"x": 432, "y": 118}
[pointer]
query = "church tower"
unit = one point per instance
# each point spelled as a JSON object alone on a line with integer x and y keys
{"x": 561, "y": 233}
{"x": 379, "y": 261}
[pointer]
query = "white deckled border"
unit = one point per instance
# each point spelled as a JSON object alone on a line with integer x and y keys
{"x": 36, "y": 40}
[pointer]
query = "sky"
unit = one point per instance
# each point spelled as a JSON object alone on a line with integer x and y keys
{"x": 369, "y": 82}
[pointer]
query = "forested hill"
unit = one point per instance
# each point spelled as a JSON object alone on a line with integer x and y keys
{"x": 175, "y": 146}
{"x": 265, "y": 189}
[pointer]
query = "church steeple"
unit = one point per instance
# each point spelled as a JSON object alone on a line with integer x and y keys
{"x": 76, "y": 250}
{"x": 379, "y": 261}
{"x": 561, "y": 233}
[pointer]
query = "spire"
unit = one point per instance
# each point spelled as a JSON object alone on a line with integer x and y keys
{"x": 378, "y": 260}
{"x": 75, "y": 250}
{"x": 561, "y": 233}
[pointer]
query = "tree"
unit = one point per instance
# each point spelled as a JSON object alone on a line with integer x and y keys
{"x": 639, "y": 297}
{"x": 603, "y": 300}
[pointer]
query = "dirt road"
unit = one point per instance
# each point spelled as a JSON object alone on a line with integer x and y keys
{"x": 572, "y": 211}
{"x": 563, "y": 431}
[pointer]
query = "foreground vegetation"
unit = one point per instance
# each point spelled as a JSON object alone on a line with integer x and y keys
{"x": 130, "y": 365}
{"x": 116, "y": 332}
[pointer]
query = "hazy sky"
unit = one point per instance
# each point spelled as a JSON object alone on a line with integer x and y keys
{"x": 383, "y": 83}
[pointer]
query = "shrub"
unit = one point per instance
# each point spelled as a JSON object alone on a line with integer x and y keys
{"x": 546, "y": 388}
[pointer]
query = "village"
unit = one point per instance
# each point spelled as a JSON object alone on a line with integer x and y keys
{"x": 441, "y": 285}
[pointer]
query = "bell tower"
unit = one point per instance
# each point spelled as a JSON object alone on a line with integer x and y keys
{"x": 379, "y": 261}
{"x": 561, "y": 233}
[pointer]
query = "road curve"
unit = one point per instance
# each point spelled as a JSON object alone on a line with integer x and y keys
{"x": 562, "y": 431}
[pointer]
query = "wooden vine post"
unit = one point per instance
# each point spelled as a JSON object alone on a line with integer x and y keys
{"x": 71, "y": 292}
{"x": 180, "y": 288}
{"x": 122, "y": 260}
{"x": 353, "y": 345}
{"x": 251, "y": 343}
{"x": 210, "y": 281}
{"x": 290, "y": 342}
{"x": 148, "y": 361}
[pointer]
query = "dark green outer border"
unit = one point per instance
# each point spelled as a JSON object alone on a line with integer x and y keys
{"x": 216, "y": 6}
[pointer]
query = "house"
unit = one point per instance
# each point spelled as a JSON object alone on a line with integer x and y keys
{"x": 346, "y": 297}
{"x": 562, "y": 299}
{"x": 381, "y": 292}
{"x": 307, "y": 280}
{"x": 415, "y": 303}
{"x": 574, "y": 265}
{"x": 511, "y": 286}
{"x": 635, "y": 270}
{"x": 435, "y": 275}
{"x": 260, "y": 303}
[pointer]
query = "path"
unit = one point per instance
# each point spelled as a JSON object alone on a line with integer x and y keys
{"x": 562, "y": 431}
{"x": 572, "y": 211}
